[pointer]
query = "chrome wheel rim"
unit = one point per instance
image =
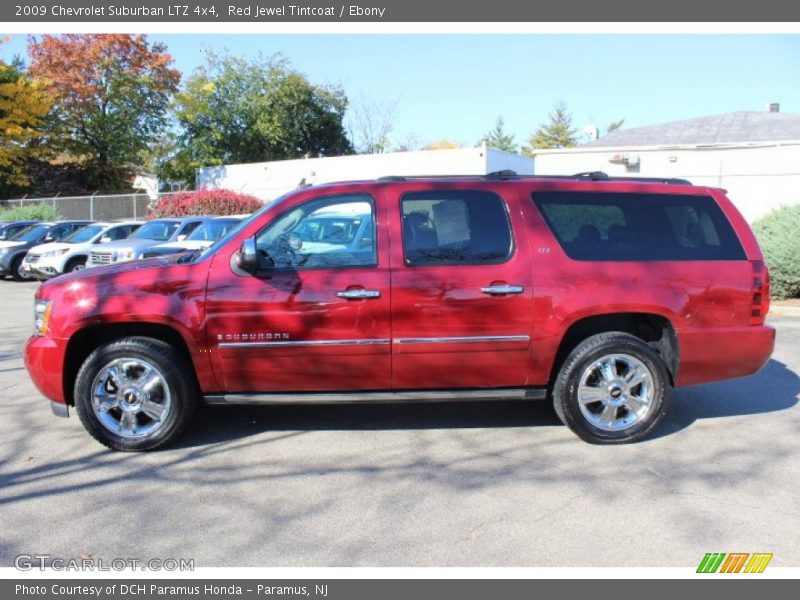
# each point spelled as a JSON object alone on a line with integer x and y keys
{"x": 131, "y": 398}
{"x": 78, "y": 267}
{"x": 616, "y": 392}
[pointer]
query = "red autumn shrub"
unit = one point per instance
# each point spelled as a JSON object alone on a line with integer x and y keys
{"x": 204, "y": 202}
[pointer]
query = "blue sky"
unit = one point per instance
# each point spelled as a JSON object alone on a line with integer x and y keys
{"x": 454, "y": 86}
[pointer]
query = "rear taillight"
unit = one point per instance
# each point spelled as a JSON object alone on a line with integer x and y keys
{"x": 759, "y": 305}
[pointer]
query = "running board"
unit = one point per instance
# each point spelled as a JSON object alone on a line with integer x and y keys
{"x": 369, "y": 397}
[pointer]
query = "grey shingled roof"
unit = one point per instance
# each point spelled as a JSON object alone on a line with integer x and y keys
{"x": 735, "y": 127}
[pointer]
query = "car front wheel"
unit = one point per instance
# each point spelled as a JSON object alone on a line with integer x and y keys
{"x": 612, "y": 388}
{"x": 135, "y": 394}
{"x": 76, "y": 264}
{"x": 18, "y": 272}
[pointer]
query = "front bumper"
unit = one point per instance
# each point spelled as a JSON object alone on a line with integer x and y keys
{"x": 44, "y": 359}
{"x": 43, "y": 269}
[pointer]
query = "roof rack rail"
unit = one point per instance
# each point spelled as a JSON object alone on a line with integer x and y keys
{"x": 593, "y": 175}
{"x": 508, "y": 174}
{"x": 503, "y": 175}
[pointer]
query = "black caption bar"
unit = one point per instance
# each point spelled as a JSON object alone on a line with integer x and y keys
{"x": 264, "y": 11}
{"x": 371, "y": 589}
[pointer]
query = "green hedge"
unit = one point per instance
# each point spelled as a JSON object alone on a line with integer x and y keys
{"x": 32, "y": 212}
{"x": 779, "y": 237}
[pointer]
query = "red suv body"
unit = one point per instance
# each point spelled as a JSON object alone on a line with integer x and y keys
{"x": 599, "y": 293}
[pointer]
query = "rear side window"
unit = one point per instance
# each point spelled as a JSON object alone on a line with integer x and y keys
{"x": 630, "y": 227}
{"x": 455, "y": 228}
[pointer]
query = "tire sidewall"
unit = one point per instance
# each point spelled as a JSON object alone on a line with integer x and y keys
{"x": 170, "y": 365}
{"x": 566, "y": 388}
{"x": 73, "y": 263}
{"x": 16, "y": 270}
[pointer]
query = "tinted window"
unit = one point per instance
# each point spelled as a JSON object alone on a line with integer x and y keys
{"x": 31, "y": 233}
{"x": 455, "y": 228}
{"x": 156, "y": 230}
{"x": 211, "y": 231}
{"x": 322, "y": 233}
{"x": 9, "y": 231}
{"x": 190, "y": 227}
{"x": 120, "y": 233}
{"x": 619, "y": 226}
{"x": 84, "y": 234}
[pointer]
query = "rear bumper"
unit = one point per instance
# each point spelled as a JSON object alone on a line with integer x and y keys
{"x": 723, "y": 353}
{"x": 44, "y": 359}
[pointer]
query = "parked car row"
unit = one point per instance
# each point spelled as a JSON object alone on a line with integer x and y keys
{"x": 43, "y": 250}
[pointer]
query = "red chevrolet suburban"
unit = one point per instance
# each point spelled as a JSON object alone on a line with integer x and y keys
{"x": 596, "y": 292}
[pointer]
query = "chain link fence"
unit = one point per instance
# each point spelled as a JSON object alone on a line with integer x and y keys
{"x": 97, "y": 207}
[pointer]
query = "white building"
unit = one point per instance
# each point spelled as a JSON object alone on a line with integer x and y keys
{"x": 268, "y": 180}
{"x": 753, "y": 155}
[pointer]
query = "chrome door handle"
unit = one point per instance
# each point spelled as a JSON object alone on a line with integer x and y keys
{"x": 358, "y": 294}
{"x": 499, "y": 290}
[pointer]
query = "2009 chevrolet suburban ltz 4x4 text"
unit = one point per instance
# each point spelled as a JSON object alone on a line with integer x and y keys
{"x": 599, "y": 293}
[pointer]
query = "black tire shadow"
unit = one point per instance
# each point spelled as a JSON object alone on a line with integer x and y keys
{"x": 215, "y": 424}
{"x": 773, "y": 388}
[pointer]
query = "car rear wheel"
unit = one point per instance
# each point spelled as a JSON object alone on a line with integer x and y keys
{"x": 135, "y": 394}
{"x": 612, "y": 388}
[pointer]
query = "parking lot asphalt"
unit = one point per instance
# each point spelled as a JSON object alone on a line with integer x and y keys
{"x": 461, "y": 484}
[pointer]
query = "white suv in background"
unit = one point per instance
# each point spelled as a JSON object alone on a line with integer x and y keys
{"x": 70, "y": 254}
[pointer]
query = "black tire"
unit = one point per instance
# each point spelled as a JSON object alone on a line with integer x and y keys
{"x": 588, "y": 364}
{"x": 16, "y": 269}
{"x": 75, "y": 264}
{"x": 177, "y": 383}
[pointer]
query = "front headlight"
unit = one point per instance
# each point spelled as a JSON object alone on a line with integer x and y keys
{"x": 41, "y": 316}
{"x": 55, "y": 253}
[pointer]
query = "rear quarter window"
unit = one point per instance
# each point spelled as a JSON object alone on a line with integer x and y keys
{"x": 608, "y": 226}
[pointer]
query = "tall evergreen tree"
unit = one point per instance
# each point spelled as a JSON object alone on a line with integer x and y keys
{"x": 557, "y": 133}
{"x": 498, "y": 138}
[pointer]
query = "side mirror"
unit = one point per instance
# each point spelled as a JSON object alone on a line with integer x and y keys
{"x": 105, "y": 239}
{"x": 181, "y": 237}
{"x": 247, "y": 257}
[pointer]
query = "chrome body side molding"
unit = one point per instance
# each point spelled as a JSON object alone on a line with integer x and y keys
{"x": 301, "y": 343}
{"x": 464, "y": 339}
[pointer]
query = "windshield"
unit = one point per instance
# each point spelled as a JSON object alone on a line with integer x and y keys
{"x": 156, "y": 230}
{"x": 31, "y": 234}
{"x": 211, "y": 231}
{"x": 84, "y": 234}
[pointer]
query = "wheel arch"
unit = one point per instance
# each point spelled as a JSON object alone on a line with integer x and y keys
{"x": 85, "y": 341}
{"x": 654, "y": 329}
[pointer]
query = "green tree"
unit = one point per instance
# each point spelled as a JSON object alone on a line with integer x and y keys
{"x": 558, "y": 132}
{"x": 443, "y": 144}
{"x": 498, "y": 138}
{"x": 614, "y": 126}
{"x": 111, "y": 95}
{"x": 23, "y": 108}
{"x": 236, "y": 110}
